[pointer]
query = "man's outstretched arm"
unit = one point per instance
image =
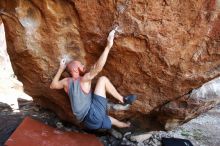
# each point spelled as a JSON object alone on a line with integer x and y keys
{"x": 98, "y": 66}
{"x": 56, "y": 83}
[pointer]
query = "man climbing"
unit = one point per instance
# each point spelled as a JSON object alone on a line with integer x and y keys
{"x": 91, "y": 107}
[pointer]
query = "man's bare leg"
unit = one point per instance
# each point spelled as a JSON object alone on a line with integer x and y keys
{"x": 104, "y": 85}
{"x": 118, "y": 123}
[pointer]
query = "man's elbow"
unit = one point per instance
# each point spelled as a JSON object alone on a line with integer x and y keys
{"x": 52, "y": 86}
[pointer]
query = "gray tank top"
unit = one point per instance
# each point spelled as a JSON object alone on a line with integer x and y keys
{"x": 80, "y": 101}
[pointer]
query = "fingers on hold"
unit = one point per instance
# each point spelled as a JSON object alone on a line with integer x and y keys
{"x": 116, "y": 28}
{"x": 63, "y": 61}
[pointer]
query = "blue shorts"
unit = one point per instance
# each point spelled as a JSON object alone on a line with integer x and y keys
{"x": 97, "y": 117}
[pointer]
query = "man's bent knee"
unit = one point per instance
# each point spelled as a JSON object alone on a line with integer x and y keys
{"x": 102, "y": 79}
{"x": 100, "y": 87}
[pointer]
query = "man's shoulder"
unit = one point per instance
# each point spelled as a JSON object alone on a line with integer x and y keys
{"x": 66, "y": 81}
{"x": 83, "y": 79}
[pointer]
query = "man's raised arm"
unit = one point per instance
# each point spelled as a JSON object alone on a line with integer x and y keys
{"x": 98, "y": 66}
{"x": 56, "y": 83}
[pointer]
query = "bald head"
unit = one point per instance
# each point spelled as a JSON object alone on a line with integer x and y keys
{"x": 75, "y": 67}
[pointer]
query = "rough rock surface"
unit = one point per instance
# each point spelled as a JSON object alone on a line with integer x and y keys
{"x": 164, "y": 50}
{"x": 187, "y": 107}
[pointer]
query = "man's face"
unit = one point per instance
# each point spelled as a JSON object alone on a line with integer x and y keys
{"x": 76, "y": 67}
{"x": 79, "y": 66}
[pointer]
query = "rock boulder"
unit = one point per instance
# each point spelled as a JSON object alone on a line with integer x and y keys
{"x": 164, "y": 49}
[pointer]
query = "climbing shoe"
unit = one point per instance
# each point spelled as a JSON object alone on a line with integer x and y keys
{"x": 129, "y": 99}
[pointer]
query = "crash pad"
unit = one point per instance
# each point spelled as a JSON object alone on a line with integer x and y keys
{"x": 34, "y": 133}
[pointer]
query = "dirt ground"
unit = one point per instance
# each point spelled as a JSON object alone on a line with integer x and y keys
{"x": 203, "y": 130}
